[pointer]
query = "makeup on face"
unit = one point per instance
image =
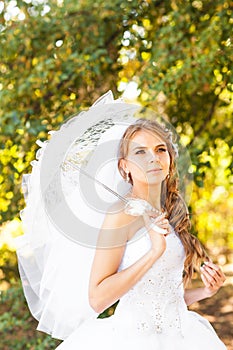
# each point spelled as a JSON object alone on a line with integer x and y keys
{"x": 148, "y": 155}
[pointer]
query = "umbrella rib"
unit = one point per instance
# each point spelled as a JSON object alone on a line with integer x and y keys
{"x": 75, "y": 166}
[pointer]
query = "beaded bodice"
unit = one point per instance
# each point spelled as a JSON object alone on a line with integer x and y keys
{"x": 157, "y": 299}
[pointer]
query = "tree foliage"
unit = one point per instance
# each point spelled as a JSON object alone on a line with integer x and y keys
{"x": 59, "y": 56}
{"x": 17, "y": 326}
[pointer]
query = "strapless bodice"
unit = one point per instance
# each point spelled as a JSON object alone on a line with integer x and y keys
{"x": 159, "y": 296}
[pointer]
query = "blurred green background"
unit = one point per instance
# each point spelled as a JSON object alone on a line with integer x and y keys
{"x": 57, "y": 57}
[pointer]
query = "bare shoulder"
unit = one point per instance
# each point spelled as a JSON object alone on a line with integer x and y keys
{"x": 117, "y": 227}
{"x": 117, "y": 215}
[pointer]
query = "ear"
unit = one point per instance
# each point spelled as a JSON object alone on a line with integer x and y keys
{"x": 123, "y": 164}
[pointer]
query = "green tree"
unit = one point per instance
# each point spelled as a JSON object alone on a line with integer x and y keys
{"x": 183, "y": 49}
{"x": 51, "y": 63}
{"x": 59, "y": 56}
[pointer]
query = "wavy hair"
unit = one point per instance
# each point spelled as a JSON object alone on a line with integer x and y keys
{"x": 171, "y": 200}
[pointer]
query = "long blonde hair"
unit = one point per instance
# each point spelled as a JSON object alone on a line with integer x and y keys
{"x": 171, "y": 199}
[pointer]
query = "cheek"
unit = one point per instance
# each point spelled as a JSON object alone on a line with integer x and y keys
{"x": 166, "y": 160}
{"x": 138, "y": 162}
{"x": 137, "y": 166}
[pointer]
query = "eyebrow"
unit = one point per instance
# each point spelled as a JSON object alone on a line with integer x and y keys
{"x": 143, "y": 147}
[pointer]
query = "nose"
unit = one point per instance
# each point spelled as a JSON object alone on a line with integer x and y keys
{"x": 154, "y": 157}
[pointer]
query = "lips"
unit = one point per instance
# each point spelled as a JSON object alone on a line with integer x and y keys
{"x": 154, "y": 170}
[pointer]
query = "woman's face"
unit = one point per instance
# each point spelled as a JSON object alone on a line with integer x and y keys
{"x": 148, "y": 159}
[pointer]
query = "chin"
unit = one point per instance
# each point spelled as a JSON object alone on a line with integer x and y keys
{"x": 156, "y": 179}
{"x": 151, "y": 179}
{"x": 149, "y": 182}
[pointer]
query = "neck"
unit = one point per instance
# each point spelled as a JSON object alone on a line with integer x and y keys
{"x": 151, "y": 194}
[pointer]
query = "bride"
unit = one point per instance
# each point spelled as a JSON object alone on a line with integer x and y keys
{"x": 146, "y": 261}
{"x": 147, "y": 275}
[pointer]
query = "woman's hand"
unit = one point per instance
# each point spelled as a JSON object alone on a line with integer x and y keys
{"x": 212, "y": 277}
{"x": 153, "y": 222}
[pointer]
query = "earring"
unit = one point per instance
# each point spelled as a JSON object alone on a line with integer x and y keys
{"x": 127, "y": 177}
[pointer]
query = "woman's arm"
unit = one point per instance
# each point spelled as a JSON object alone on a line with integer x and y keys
{"x": 212, "y": 277}
{"x": 106, "y": 284}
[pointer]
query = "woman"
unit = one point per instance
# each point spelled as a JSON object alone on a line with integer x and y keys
{"x": 148, "y": 275}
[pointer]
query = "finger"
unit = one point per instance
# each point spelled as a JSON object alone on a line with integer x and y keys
{"x": 156, "y": 225}
{"x": 157, "y": 229}
{"x": 213, "y": 278}
{"x": 163, "y": 225}
{"x": 160, "y": 223}
{"x": 160, "y": 219}
{"x": 154, "y": 213}
{"x": 209, "y": 277}
{"x": 214, "y": 267}
{"x": 205, "y": 281}
{"x": 213, "y": 273}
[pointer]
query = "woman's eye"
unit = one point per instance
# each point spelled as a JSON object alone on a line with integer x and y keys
{"x": 141, "y": 151}
{"x": 162, "y": 149}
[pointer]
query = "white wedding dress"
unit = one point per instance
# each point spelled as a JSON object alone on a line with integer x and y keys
{"x": 153, "y": 314}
